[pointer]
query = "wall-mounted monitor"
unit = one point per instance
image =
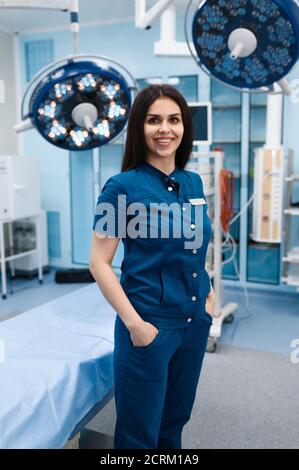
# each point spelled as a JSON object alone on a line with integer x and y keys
{"x": 202, "y": 122}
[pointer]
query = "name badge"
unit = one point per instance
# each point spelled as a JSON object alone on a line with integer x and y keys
{"x": 198, "y": 201}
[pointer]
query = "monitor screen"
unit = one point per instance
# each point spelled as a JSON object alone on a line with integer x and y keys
{"x": 202, "y": 122}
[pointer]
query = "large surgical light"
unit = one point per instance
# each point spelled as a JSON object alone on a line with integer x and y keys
{"x": 247, "y": 44}
{"x": 80, "y": 103}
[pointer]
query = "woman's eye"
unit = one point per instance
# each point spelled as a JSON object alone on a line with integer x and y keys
{"x": 153, "y": 121}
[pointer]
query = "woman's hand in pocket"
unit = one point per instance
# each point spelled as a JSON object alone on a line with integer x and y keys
{"x": 143, "y": 334}
{"x": 210, "y": 302}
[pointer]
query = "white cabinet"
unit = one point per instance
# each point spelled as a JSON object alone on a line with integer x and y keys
{"x": 19, "y": 187}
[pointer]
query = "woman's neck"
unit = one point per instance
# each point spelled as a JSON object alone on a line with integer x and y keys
{"x": 167, "y": 165}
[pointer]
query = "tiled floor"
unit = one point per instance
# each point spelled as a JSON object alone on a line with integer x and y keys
{"x": 269, "y": 323}
{"x": 24, "y": 294}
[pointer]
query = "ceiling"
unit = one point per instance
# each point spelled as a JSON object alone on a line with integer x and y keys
{"x": 90, "y": 11}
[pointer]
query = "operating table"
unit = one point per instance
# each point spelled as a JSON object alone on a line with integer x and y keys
{"x": 56, "y": 369}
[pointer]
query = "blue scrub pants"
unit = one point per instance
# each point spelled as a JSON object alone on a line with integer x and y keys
{"x": 155, "y": 385}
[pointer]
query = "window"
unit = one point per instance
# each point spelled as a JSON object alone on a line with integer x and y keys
{"x": 37, "y": 55}
{"x": 227, "y": 134}
{"x": 187, "y": 85}
{"x": 82, "y": 205}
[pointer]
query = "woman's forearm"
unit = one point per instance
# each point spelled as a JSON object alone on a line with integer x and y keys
{"x": 115, "y": 295}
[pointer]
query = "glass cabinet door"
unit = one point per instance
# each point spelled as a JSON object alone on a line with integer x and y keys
{"x": 227, "y": 127}
{"x": 82, "y": 206}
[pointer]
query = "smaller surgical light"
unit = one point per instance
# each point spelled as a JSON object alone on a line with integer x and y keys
{"x": 79, "y": 105}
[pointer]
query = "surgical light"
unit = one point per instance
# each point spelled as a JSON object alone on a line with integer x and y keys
{"x": 247, "y": 44}
{"x": 78, "y": 103}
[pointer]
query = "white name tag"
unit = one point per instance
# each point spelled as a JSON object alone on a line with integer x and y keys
{"x": 198, "y": 201}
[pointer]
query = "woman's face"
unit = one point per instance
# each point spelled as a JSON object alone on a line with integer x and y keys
{"x": 163, "y": 128}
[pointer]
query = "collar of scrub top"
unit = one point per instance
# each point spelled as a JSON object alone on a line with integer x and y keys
{"x": 170, "y": 179}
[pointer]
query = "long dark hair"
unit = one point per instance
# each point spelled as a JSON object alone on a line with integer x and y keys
{"x": 136, "y": 149}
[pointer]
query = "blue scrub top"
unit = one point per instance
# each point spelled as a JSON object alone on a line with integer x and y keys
{"x": 166, "y": 282}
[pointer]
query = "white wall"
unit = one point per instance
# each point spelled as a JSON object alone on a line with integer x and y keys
{"x": 8, "y": 109}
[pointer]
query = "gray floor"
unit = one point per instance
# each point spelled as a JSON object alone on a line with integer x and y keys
{"x": 245, "y": 400}
{"x": 248, "y": 391}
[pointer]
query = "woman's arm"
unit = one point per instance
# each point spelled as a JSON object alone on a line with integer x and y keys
{"x": 102, "y": 251}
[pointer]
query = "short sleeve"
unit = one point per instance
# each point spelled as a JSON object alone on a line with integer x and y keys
{"x": 110, "y": 211}
{"x": 200, "y": 184}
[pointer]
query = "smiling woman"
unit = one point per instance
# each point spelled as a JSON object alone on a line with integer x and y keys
{"x": 163, "y": 322}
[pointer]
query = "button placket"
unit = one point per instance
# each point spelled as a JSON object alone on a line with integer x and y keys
{"x": 195, "y": 287}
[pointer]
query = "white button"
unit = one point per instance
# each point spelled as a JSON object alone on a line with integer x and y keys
{"x": 189, "y": 319}
{"x": 194, "y": 252}
{"x": 170, "y": 188}
{"x": 173, "y": 178}
{"x": 183, "y": 208}
{"x": 194, "y": 275}
{"x": 194, "y": 298}
{"x": 192, "y": 226}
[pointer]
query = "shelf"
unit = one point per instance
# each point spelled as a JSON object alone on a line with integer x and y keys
{"x": 263, "y": 245}
{"x": 12, "y": 253}
{"x": 224, "y": 142}
{"x": 291, "y": 280}
{"x": 226, "y": 106}
{"x": 292, "y": 211}
{"x": 258, "y": 105}
{"x": 292, "y": 256}
{"x": 292, "y": 178}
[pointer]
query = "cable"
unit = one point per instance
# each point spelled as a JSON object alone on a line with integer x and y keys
{"x": 229, "y": 240}
{"x": 249, "y": 200}
{"x": 246, "y": 305}
{"x": 229, "y": 243}
{"x": 227, "y": 197}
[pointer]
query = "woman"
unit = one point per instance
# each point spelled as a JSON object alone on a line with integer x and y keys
{"x": 164, "y": 300}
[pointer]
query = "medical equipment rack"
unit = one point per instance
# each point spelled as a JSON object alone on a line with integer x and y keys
{"x": 291, "y": 256}
{"x": 11, "y": 253}
{"x": 221, "y": 312}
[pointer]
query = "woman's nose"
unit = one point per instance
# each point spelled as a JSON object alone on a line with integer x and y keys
{"x": 164, "y": 127}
